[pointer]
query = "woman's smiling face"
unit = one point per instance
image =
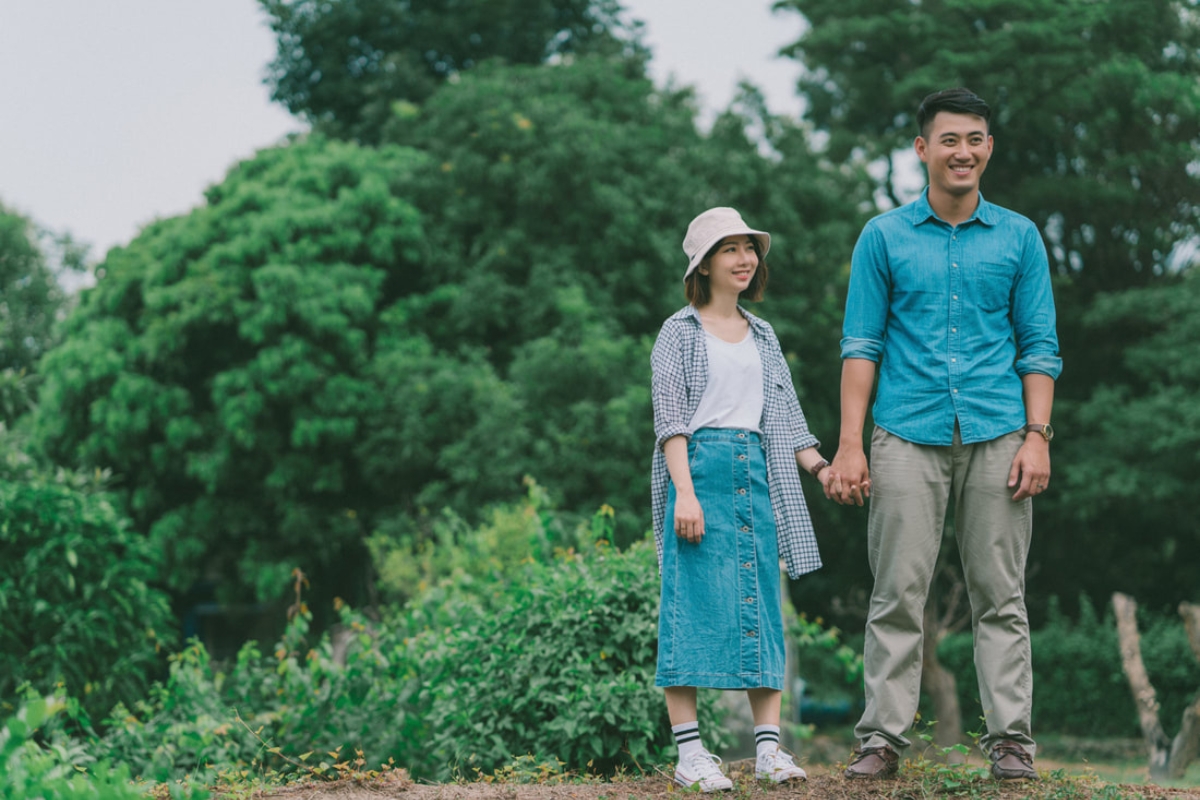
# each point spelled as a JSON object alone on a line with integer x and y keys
{"x": 731, "y": 268}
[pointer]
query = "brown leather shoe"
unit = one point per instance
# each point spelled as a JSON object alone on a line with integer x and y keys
{"x": 873, "y": 763}
{"x": 1011, "y": 762}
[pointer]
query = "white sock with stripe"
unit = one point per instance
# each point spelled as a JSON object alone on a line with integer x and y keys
{"x": 766, "y": 739}
{"x": 687, "y": 738}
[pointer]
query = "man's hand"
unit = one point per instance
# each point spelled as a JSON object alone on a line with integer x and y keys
{"x": 850, "y": 479}
{"x": 689, "y": 517}
{"x": 1030, "y": 471}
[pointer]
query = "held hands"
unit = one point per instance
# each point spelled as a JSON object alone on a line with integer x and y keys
{"x": 689, "y": 517}
{"x": 1030, "y": 471}
{"x": 848, "y": 479}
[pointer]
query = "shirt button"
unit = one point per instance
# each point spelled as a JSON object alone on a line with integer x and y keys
{"x": 749, "y": 599}
{"x": 954, "y": 330}
{"x": 953, "y": 360}
{"x": 741, "y": 458}
{"x": 751, "y": 634}
{"x": 955, "y": 265}
{"x": 741, "y": 436}
{"x": 741, "y": 491}
{"x": 747, "y": 565}
{"x": 745, "y": 528}
{"x": 956, "y": 391}
{"x": 954, "y": 297}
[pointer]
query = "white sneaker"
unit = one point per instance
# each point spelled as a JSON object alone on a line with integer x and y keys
{"x": 779, "y": 767}
{"x": 701, "y": 769}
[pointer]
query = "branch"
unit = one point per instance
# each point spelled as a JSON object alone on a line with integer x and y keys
{"x": 1186, "y": 746}
{"x": 1187, "y": 742}
{"x": 1139, "y": 683}
{"x": 1191, "y": 623}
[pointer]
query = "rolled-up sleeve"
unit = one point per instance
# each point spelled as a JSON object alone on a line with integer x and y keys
{"x": 864, "y": 326}
{"x": 1033, "y": 314}
{"x": 668, "y": 386}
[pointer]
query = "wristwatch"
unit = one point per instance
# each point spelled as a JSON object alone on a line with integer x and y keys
{"x": 816, "y": 468}
{"x": 1041, "y": 427}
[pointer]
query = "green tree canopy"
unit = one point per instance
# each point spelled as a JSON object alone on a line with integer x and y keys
{"x": 343, "y": 337}
{"x": 1096, "y": 110}
{"x": 1127, "y": 485}
{"x": 30, "y": 297}
{"x": 344, "y": 64}
{"x": 219, "y": 367}
{"x": 556, "y": 200}
{"x": 78, "y": 596}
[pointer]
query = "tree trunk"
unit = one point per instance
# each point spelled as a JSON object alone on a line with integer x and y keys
{"x": 1186, "y": 746}
{"x": 939, "y": 683}
{"x": 1157, "y": 745}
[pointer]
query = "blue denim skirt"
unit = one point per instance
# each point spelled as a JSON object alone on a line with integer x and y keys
{"x": 720, "y": 622}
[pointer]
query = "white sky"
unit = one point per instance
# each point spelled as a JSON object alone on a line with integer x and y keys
{"x": 117, "y": 112}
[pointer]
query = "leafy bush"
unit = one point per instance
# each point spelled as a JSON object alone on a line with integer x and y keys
{"x": 1078, "y": 682}
{"x": 57, "y": 772}
{"x": 553, "y": 657}
{"x": 411, "y": 554}
{"x": 75, "y": 597}
{"x": 563, "y": 669}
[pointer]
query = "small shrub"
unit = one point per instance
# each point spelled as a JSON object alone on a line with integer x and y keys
{"x": 564, "y": 669}
{"x": 551, "y": 659}
{"x": 76, "y": 597}
{"x": 59, "y": 771}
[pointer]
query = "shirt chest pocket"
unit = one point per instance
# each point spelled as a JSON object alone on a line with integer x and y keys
{"x": 994, "y": 285}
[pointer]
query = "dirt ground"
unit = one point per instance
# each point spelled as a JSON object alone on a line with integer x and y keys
{"x": 824, "y": 781}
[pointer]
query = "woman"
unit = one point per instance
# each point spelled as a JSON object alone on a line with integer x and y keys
{"x": 727, "y": 496}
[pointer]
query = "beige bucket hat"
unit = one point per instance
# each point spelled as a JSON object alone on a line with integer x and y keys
{"x": 711, "y": 227}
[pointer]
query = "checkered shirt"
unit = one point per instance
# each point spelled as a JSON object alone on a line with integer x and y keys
{"x": 679, "y": 364}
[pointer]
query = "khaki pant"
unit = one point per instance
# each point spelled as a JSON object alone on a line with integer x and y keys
{"x": 910, "y": 488}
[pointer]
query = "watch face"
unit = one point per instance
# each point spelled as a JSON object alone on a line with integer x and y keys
{"x": 1047, "y": 431}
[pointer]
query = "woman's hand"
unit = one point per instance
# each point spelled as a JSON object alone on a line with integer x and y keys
{"x": 689, "y": 517}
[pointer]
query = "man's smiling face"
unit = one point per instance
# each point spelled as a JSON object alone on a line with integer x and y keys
{"x": 956, "y": 150}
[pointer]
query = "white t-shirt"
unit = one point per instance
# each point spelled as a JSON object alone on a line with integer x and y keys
{"x": 733, "y": 397}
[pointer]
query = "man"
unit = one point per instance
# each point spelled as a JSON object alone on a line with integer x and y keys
{"x": 950, "y": 296}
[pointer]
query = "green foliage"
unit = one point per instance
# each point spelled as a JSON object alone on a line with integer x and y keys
{"x": 343, "y": 337}
{"x": 1078, "y": 683}
{"x": 221, "y": 364}
{"x": 546, "y": 654}
{"x": 1096, "y": 116}
{"x": 77, "y": 597}
{"x": 572, "y": 185}
{"x": 30, "y": 297}
{"x": 410, "y": 558}
{"x": 346, "y": 64}
{"x": 1096, "y": 110}
{"x": 59, "y": 771}
{"x": 1135, "y": 466}
{"x": 564, "y": 667}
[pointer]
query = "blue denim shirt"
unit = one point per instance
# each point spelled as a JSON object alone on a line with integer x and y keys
{"x": 954, "y": 315}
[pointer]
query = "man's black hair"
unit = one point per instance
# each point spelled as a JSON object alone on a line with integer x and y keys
{"x": 956, "y": 101}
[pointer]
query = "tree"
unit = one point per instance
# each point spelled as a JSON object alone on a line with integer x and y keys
{"x": 1096, "y": 111}
{"x": 30, "y": 296}
{"x": 344, "y": 64}
{"x": 220, "y": 365}
{"x": 347, "y": 339}
{"x": 77, "y": 595}
{"x": 1096, "y": 114}
{"x": 557, "y": 197}
{"x": 1135, "y": 466}
{"x": 1169, "y": 758}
